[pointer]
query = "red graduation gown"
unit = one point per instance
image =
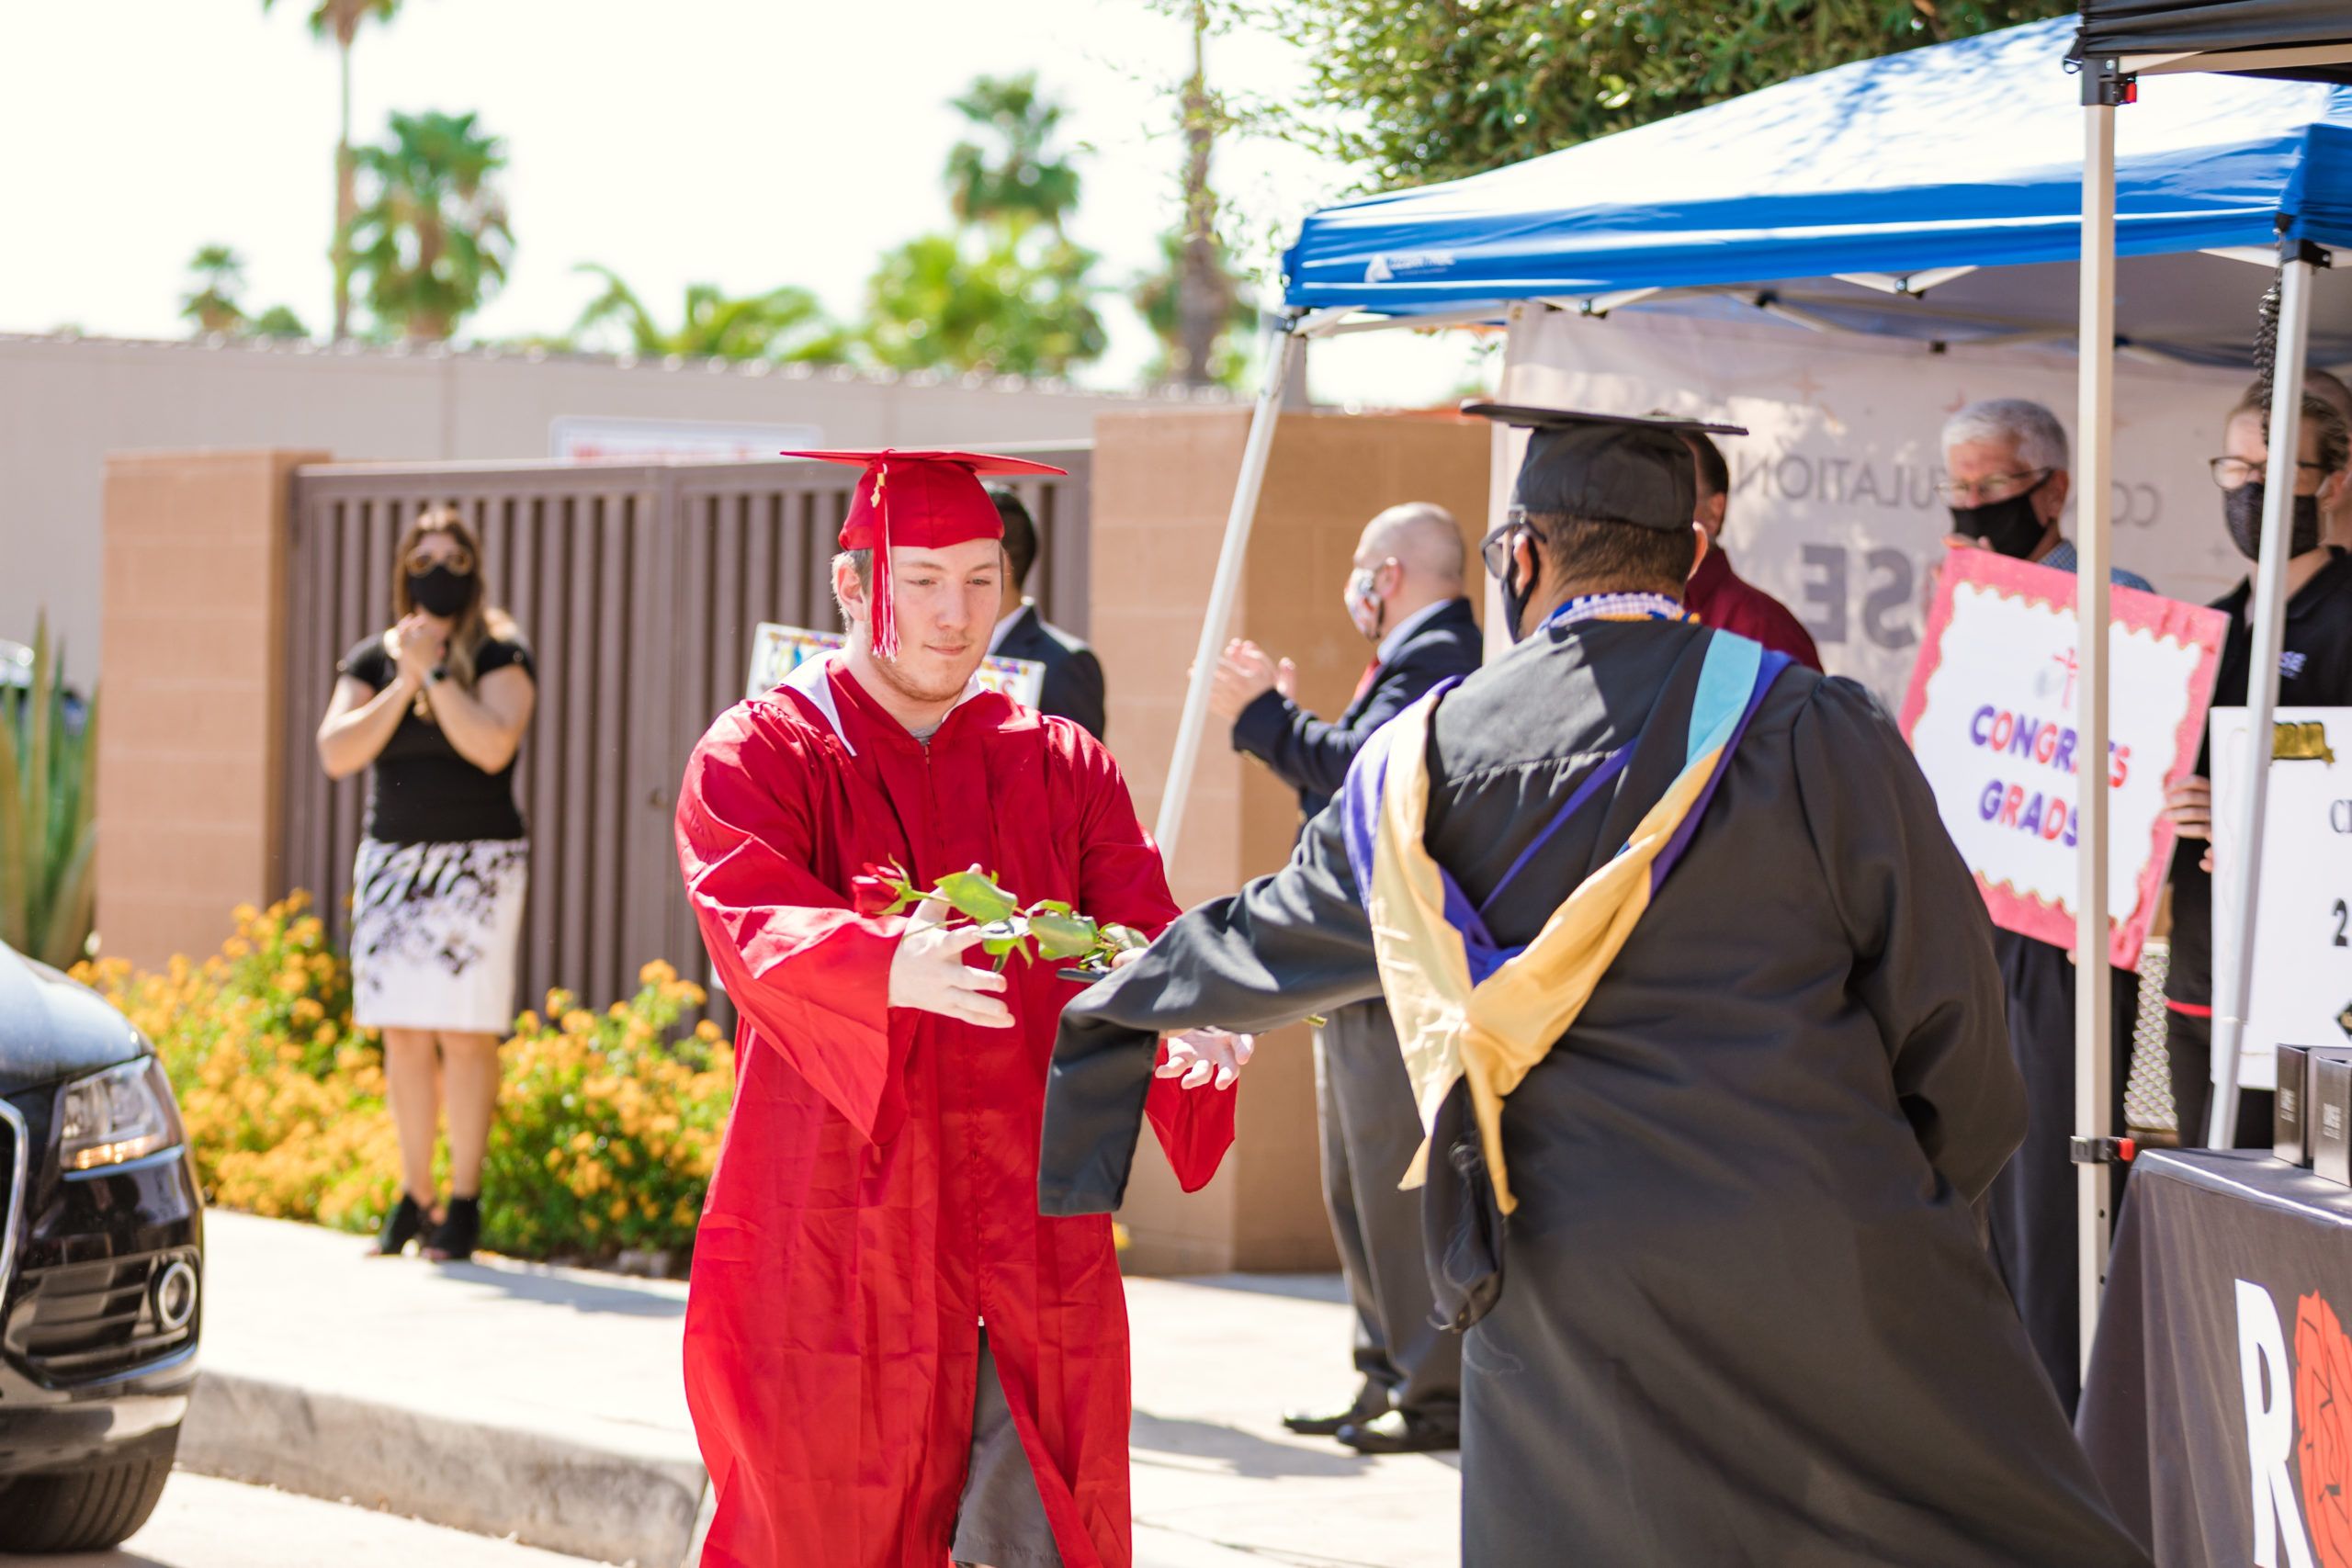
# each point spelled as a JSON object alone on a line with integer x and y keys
{"x": 876, "y": 1198}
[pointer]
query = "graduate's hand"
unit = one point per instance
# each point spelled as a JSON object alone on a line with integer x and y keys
{"x": 928, "y": 972}
{"x": 2188, "y": 807}
{"x": 1287, "y": 680}
{"x": 1199, "y": 1055}
{"x": 1245, "y": 673}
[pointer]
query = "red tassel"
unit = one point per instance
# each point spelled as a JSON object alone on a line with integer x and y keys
{"x": 882, "y": 611}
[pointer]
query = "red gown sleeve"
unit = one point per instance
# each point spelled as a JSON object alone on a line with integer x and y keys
{"x": 809, "y": 974}
{"x": 1121, "y": 879}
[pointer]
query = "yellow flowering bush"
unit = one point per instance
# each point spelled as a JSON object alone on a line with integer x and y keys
{"x": 607, "y": 1128}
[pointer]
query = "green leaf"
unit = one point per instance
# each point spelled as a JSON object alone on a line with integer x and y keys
{"x": 1063, "y": 935}
{"x": 1123, "y": 939}
{"x": 976, "y": 895}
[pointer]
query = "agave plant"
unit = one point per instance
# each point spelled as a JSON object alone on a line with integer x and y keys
{"x": 49, "y": 798}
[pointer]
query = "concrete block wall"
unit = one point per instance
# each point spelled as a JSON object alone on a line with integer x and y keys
{"x": 1163, "y": 482}
{"x": 189, "y": 739}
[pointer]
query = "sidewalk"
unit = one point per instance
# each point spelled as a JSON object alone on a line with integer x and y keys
{"x": 515, "y": 1399}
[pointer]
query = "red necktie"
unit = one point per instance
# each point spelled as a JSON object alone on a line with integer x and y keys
{"x": 1370, "y": 673}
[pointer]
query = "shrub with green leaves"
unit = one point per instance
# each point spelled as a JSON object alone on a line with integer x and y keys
{"x": 49, "y": 800}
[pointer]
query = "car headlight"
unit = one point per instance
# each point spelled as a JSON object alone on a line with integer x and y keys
{"x": 123, "y": 1113}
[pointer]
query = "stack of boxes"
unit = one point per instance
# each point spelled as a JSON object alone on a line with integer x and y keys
{"x": 2312, "y": 1125}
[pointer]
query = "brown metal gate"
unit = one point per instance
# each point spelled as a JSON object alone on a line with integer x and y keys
{"x": 637, "y": 588}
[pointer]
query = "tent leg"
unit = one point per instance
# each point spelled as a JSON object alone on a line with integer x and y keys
{"x": 2240, "y": 877}
{"x": 2094, "y": 1007}
{"x": 1288, "y": 347}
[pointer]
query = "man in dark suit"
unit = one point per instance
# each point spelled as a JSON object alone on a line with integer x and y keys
{"x": 1404, "y": 593}
{"x": 1073, "y": 687}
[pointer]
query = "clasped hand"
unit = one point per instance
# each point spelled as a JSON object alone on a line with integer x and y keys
{"x": 1245, "y": 672}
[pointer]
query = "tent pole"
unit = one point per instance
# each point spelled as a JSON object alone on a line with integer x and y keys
{"x": 2094, "y": 1006}
{"x": 1286, "y": 348}
{"x": 2240, "y": 875}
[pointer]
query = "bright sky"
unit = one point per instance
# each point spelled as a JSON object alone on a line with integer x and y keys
{"x": 744, "y": 143}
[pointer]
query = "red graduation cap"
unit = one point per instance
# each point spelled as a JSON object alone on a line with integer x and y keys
{"x": 920, "y": 499}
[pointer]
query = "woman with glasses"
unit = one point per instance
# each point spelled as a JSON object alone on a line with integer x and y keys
{"x": 434, "y": 709}
{"x": 2314, "y": 671}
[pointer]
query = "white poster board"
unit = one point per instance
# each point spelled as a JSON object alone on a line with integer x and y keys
{"x": 777, "y": 650}
{"x": 2302, "y": 928}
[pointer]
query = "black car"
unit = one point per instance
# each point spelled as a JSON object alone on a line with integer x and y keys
{"x": 101, "y": 1266}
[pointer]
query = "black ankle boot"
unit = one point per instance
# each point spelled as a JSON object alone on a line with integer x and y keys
{"x": 455, "y": 1238}
{"x": 403, "y": 1225}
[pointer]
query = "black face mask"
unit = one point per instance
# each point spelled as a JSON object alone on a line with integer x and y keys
{"x": 2011, "y": 527}
{"x": 1515, "y": 593}
{"x": 441, "y": 592}
{"x": 2243, "y": 509}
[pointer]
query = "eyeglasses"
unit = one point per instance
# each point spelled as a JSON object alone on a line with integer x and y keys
{"x": 1996, "y": 487}
{"x": 2237, "y": 473}
{"x": 422, "y": 561}
{"x": 1495, "y": 549}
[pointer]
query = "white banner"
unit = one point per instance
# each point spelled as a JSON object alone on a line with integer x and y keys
{"x": 2302, "y": 927}
{"x": 1833, "y": 504}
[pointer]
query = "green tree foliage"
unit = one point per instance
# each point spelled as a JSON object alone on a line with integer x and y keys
{"x": 279, "y": 322}
{"x": 49, "y": 802}
{"x": 1018, "y": 177}
{"x": 432, "y": 238}
{"x": 1416, "y": 91}
{"x": 786, "y": 325}
{"x": 984, "y": 300}
{"x": 340, "y": 21}
{"x": 1009, "y": 293}
{"x": 219, "y": 274}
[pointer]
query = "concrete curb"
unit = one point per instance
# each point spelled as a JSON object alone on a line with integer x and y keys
{"x": 599, "y": 1503}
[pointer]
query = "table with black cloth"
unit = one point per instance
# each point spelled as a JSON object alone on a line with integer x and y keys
{"x": 2226, "y": 1263}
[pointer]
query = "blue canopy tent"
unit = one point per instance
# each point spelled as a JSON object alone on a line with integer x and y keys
{"x": 1968, "y": 192}
{"x": 1833, "y": 187}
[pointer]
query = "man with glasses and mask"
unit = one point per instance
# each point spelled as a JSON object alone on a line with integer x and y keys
{"x": 2314, "y": 671}
{"x": 2006, "y": 483}
{"x": 1701, "y": 1007}
{"x": 1404, "y": 595}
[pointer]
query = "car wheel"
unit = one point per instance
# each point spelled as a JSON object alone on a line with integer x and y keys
{"x": 86, "y": 1511}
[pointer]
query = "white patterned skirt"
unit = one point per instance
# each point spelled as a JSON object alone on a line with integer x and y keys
{"x": 434, "y": 934}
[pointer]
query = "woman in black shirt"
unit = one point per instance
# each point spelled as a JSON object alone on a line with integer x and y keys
{"x": 434, "y": 709}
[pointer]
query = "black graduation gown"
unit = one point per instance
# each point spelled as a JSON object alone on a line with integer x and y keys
{"x": 1745, "y": 1314}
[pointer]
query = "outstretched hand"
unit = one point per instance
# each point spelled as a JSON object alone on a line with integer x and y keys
{"x": 928, "y": 972}
{"x": 1199, "y": 1055}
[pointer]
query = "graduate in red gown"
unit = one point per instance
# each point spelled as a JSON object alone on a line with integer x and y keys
{"x": 892, "y": 1360}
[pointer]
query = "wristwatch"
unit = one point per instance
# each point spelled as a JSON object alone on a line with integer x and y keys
{"x": 435, "y": 676}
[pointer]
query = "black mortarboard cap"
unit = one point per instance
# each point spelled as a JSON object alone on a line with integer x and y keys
{"x": 1605, "y": 468}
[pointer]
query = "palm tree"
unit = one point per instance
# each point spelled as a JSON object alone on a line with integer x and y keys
{"x": 432, "y": 238}
{"x": 219, "y": 276}
{"x": 1022, "y": 180}
{"x": 784, "y": 325}
{"x": 341, "y": 20}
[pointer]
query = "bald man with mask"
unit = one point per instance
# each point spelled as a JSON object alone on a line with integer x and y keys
{"x": 1404, "y": 595}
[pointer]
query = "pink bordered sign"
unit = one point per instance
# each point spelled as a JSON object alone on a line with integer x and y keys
{"x": 1990, "y": 716}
